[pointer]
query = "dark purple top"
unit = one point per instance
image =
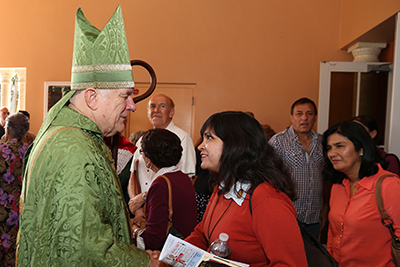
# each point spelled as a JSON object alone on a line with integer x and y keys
{"x": 392, "y": 162}
{"x": 184, "y": 217}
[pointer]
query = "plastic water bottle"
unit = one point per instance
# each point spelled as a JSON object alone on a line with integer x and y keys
{"x": 220, "y": 246}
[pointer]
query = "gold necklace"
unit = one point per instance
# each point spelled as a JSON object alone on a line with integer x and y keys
{"x": 353, "y": 188}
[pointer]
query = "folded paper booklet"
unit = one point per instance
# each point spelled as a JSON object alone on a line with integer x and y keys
{"x": 179, "y": 253}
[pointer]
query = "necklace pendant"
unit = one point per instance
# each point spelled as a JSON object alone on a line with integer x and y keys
{"x": 240, "y": 193}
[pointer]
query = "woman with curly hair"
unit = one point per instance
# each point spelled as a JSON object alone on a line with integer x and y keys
{"x": 11, "y": 160}
{"x": 162, "y": 150}
{"x": 253, "y": 193}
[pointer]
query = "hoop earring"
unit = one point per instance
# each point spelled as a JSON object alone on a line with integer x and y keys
{"x": 149, "y": 165}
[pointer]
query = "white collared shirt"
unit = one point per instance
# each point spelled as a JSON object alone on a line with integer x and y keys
{"x": 187, "y": 163}
{"x": 233, "y": 193}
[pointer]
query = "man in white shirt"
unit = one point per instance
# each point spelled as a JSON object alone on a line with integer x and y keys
{"x": 160, "y": 112}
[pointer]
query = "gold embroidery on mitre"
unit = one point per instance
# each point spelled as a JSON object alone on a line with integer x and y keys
{"x": 102, "y": 85}
{"x": 101, "y": 68}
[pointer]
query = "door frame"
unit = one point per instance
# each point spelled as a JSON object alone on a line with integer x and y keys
{"x": 327, "y": 67}
{"x": 394, "y": 126}
{"x": 392, "y": 143}
{"x": 184, "y": 116}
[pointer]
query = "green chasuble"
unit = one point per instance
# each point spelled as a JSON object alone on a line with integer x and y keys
{"x": 73, "y": 212}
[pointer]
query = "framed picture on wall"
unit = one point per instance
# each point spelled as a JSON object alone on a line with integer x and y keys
{"x": 53, "y": 91}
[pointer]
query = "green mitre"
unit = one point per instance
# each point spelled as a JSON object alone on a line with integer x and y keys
{"x": 101, "y": 58}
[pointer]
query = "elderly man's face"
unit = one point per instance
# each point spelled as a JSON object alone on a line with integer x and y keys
{"x": 160, "y": 111}
{"x": 4, "y": 113}
{"x": 114, "y": 107}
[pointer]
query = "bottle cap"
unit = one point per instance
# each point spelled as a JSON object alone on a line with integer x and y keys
{"x": 223, "y": 237}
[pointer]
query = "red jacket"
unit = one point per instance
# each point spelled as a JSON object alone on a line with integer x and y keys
{"x": 268, "y": 237}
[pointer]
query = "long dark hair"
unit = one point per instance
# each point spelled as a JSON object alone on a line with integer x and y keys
{"x": 246, "y": 154}
{"x": 360, "y": 138}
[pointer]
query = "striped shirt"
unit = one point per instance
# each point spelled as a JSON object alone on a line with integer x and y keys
{"x": 306, "y": 171}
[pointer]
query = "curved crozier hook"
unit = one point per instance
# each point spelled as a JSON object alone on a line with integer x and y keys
{"x": 153, "y": 81}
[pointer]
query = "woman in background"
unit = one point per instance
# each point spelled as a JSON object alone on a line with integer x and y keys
{"x": 11, "y": 161}
{"x": 161, "y": 151}
{"x": 29, "y": 136}
{"x": 201, "y": 186}
{"x": 356, "y": 236}
{"x": 125, "y": 152}
{"x": 242, "y": 163}
{"x": 371, "y": 125}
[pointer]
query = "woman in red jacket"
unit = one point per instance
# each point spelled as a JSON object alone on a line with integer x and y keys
{"x": 236, "y": 152}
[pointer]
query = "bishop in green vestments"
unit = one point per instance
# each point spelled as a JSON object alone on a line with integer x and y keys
{"x": 72, "y": 211}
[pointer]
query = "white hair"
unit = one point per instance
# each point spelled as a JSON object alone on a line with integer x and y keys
{"x": 102, "y": 92}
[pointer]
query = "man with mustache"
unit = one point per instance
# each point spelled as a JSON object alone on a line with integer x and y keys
{"x": 301, "y": 150}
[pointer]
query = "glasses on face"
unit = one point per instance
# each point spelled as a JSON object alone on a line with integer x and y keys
{"x": 6, "y": 112}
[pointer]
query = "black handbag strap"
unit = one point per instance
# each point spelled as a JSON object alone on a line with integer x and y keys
{"x": 308, "y": 238}
{"x": 251, "y": 192}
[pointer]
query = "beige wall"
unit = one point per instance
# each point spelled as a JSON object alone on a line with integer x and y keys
{"x": 360, "y": 16}
{"x": 242, "y": 55}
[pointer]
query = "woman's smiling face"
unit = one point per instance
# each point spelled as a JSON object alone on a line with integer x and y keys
{"x": 211, "y": 151}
